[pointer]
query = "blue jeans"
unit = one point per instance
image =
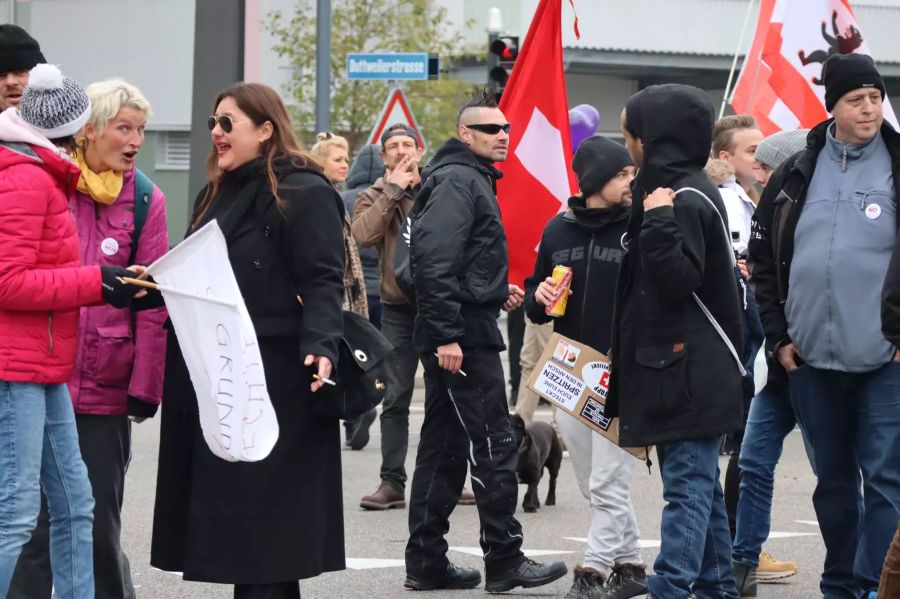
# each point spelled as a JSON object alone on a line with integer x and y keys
{"x": 852, "y": 421}
{"x": 39, "y": 448}
{"x": 770, "y": 420}
{"x": 695, "y": 554}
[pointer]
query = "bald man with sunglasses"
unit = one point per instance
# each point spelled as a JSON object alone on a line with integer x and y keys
{"x": 459, "y": 264}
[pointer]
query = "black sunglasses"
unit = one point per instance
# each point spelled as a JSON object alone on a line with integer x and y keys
{"x": 490, "y": 128}
{"x": 224, "y": 121}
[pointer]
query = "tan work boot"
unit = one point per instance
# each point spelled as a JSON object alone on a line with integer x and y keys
{"x": 385, "y": 498}
{"x": 772, "y": 569}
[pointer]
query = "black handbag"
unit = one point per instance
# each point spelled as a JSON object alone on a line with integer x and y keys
{"x": 360, "y": 375}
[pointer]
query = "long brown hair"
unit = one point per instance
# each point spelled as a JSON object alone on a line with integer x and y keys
{"x": 261, "y": 103}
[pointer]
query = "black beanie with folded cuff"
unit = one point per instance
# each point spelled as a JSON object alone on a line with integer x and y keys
{"x": 597, "y": 160}
{"x": 18, "y": 50}
{"x": 844, "y": 73}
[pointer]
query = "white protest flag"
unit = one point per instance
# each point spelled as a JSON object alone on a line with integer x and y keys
{"x": 219, "y": 345}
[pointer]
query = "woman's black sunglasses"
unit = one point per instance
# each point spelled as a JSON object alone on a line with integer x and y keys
{"x": 223, "y": 121}
{"x": 490, "y": 128}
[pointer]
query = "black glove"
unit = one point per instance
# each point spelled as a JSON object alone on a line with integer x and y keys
{"x": 153, "y": 299}
{"x": 115, "y": 292}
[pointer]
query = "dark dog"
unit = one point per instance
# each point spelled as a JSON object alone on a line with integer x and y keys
{"x": 539, "y": 448}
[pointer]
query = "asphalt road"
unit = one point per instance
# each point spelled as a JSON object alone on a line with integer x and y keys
{"x": 375, "y": 541}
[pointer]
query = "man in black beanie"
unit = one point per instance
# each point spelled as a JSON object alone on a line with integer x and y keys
{"x": 588, "y": 239}
{"x": 824, "y": 243}
{"x": 19, "y": 53}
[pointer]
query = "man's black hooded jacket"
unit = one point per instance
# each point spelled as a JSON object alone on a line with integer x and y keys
{"x": 458, "y": 253}
{"x": 589, "y": 241}
{"x": 673, "y": 376}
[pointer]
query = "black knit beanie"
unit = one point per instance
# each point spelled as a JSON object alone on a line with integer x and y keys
{"x": 18, "y": 50}
{"x": 844, "y": 73}
{"x": 598, "y": 160}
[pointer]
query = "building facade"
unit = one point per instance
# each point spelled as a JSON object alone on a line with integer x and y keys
{"x": 625, "y": 45}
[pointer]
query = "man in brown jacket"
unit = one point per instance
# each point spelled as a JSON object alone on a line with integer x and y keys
{"x": 378, "y": 217}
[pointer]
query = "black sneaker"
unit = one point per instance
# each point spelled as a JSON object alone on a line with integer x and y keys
{"x": 588, "y": 584}
{"x": 626, "y": 580}
{"x": 745, "y": 577}
{"x": 527, "y": 574}
{"x": 360, "y": 436}
{"x": 454, "y": 578}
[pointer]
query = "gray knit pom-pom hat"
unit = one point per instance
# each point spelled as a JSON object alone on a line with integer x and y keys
{"x": 53, "y": 104}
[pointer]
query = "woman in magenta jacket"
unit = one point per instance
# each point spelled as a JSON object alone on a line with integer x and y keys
{"x": 119, "y": 364}
{"x": 42, "y": 288}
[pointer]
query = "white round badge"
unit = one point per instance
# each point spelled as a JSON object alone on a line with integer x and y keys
{"x": 873, "y": 211}
{"x": 109, "y": 246}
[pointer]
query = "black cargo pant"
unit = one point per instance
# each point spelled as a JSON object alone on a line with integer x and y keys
{"x": 105, "y": 443}
{"x": 466, "y": 418}
{"x": 397, "y": 324}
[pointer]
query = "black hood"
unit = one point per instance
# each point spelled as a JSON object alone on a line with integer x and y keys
{"x": 367, "y": 167}
{"x": 456, "y": 152}
{"x": 676, "y": 125}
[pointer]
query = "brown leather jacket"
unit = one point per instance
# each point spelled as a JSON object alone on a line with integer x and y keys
{"x": 377, "y": 220}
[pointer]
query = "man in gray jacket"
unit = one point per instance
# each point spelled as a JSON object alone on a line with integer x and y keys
{"x": 823, "y": 237}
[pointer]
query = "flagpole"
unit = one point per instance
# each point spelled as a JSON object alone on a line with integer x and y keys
{"x": 181, "y": 292}
{"x": 736, "y": 53}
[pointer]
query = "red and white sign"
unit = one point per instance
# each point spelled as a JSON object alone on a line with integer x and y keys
{"x": 396, "y": 110}
{"x": 781, "y": 81}
{"x": 537, "y": 175}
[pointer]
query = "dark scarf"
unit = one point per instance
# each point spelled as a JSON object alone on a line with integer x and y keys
{"x": 596, "y": 218}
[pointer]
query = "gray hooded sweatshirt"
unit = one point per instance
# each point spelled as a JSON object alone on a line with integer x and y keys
{"x": 842, "y": 246}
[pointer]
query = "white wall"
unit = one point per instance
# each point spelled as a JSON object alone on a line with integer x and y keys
{"x": 150, "y": 43}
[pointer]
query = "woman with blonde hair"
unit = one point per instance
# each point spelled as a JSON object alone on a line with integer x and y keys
{"x": 332, "y": 151}
{"x": 262, "y": 526}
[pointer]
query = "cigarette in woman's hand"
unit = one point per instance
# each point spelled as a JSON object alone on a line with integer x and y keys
{"x": 324, "y": 380}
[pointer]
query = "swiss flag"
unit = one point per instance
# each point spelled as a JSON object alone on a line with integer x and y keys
{"x": 780, "y": 83}
{"x": 537, "y": 175}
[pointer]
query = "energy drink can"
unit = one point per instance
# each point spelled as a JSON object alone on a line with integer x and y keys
{"x": 562, "y": 275}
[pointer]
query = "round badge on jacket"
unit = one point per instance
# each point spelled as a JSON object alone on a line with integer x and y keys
{"x": 109, "y": 246}
{"x": 873, "y": 211}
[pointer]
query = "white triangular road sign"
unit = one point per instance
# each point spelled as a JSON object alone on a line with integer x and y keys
{"x": 396, "y": 110}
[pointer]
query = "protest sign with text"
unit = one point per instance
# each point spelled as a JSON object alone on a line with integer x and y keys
{"x": 575, "y": 378}
{"x": 218, "y": 341}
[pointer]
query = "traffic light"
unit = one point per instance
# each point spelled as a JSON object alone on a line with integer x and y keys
{"x": 504, "y": 51}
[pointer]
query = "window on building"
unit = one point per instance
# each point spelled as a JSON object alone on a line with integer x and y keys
{"x": 173, "y": 151}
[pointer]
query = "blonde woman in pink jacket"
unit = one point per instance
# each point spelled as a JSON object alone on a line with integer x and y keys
{"x": 119, "y": 365}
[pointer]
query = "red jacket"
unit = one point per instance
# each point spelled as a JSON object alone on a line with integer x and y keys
{"x": 42, "y": 285}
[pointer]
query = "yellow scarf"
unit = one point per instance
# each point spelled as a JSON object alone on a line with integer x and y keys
{"x": 104, "y": 187}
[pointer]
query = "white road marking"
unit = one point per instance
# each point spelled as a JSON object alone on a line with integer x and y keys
{"x": 808, "y": 522}
{"x": 364, "y": 563}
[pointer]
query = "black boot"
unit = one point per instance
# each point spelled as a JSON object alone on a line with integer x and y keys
{"x": 527, "y": 574}
{"x": 454, "y": 578}
{"x": 745, "y": 576}
{"x": 626, "y": 581}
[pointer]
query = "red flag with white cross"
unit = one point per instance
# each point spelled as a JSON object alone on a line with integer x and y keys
{"x": 537, "y": 175}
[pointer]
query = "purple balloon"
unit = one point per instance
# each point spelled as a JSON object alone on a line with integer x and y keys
{"x": 590, "y": 113}
{"x": 583, "y": 122}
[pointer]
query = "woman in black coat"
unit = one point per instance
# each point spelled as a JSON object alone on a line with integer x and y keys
{"x": 264, "y": 525}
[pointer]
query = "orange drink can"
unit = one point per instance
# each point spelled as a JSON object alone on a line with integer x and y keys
{"x": 562, "y": 275}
